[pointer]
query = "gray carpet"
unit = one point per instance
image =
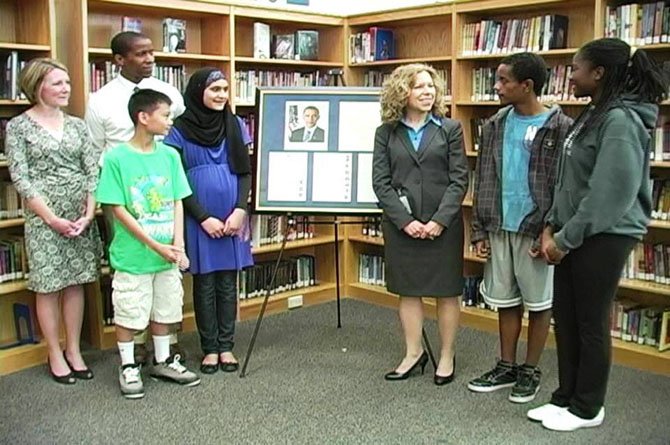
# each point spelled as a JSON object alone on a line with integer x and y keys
{"x": 303, "y": 386}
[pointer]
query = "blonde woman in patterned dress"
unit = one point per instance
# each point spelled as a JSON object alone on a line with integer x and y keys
{"x": 54, "y": 168}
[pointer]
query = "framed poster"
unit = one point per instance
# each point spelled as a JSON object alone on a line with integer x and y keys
{"x": 314, "y": 150}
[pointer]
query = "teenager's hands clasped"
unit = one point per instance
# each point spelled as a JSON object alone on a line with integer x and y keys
{"x": 549, "y": 249}
{"x": 214, "y": 227}
{"x": 418, "y": 230}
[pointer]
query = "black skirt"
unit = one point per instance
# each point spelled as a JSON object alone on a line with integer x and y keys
{"x": 423, "y": 267}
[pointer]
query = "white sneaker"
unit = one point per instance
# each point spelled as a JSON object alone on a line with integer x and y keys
{"x": 542, "y": 412}
{"x": 566, "y": 421}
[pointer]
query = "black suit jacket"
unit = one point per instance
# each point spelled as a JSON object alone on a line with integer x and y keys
{"x": 317, "y": 136}
{"x": 434, "y": 178}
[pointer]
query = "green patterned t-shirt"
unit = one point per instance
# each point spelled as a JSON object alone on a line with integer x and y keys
{"x": 147, "y": 184}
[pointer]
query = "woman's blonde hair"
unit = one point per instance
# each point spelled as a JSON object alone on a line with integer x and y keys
{"x": 33, "y": 74}
{"x": 396, "y": 89}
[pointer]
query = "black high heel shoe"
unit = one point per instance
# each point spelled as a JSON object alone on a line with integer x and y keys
{"x": 67, "y": 379}
{"x": 440, "y": 380}
{"x": 420, "y": 363}
{"x": 82, "y": 374}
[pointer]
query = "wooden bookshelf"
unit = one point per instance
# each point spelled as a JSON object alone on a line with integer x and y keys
{"x": 27, "y": 27}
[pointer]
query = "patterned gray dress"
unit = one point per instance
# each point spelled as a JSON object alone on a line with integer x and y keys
{"x": 62, "y": 173}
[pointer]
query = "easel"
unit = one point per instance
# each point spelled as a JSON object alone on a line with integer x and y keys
{"x": 336, "y": 79}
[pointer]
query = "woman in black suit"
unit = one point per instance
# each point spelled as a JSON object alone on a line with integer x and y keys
{"x": 420, "y": 176}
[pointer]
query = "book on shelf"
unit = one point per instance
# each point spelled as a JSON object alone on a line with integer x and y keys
{"x": 374, "y": 44}
{"x": 540, "y": 33}
{"x": 133, "y": 24}
{"x": 247, "y": 81}
{"x": 664, "y": 337}
{"x": 13, "y": 262}
{"x": 660, "y": 145}
{"x": 633, "y": 322}
{"x": 306, "y": 45}
{"x": 270, "y": 229}
{"x": 556, "y": 88}
{"x": 283, "y": 46}
{"x": 371, "y": 269}
{"x": 639, "y": 23}
{"x": 11, "y": 66}
{"x": 102, "y": 72}
{"x": 10, "y": 201}
{"x": 292, "y": 273}
{"x": 3, "y": 132}
{"x": 174, "y": 35}
{"x": 372, "y": 226}
{"x": 261, "y": 40}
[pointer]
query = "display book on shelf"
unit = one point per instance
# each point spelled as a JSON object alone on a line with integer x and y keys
{"x": 580, "y": 19}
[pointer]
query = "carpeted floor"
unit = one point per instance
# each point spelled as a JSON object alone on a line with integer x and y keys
{"x": 309, "y": 382}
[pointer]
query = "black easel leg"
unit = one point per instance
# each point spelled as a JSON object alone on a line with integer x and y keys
{"x": 336, "y": 227}
{"x": 270, "y": 285}
{"x": 430, "y": 350}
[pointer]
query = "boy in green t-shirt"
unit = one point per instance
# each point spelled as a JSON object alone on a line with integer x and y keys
{"x": 144, "y": 182}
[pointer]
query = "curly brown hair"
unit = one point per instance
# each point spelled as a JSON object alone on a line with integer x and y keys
{"x": 396, "y": 89}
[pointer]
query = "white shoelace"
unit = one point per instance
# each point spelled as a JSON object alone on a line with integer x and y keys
{"x": 176, "y": 365}
{"x": 131, "y": 375}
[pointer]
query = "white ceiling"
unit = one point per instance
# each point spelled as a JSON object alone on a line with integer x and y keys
{"x": 340, "y": 7}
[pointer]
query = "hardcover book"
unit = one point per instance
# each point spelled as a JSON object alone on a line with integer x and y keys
{"x": 174, "y": 35}
{"x": 307, "y": 45}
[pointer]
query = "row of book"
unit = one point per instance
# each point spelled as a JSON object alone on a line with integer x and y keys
{"x": 372, "y": 226}
{"x": 10, "y": 201}
{"x": 270, "y": 229}
{"x": 102, "y": 72}
{"x": 249, "y": 120}
{"x": 11, "y": 66}
{"x": 557, "y": 86}
{"x": 639, "y": 23}
{"x": 660, "y": 146}
{"x": 3, "y": 131}
{"x": 636, "y": 323}
{"x": 376, "y": 78}
{"x": 374, "y": 44}
{"x": 539, "y": 33}
{"x": 293, "y": 273}
{"x": 660, "y": 199}
{"x": 301, "y": 45}
{"x": 247, "y": 81}
{"x": 13, "y": 263}
{"x": 649, "y": 262}
{"x": 371, "y": 269}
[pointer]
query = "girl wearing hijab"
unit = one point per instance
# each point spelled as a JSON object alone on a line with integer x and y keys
{"x": 213, "y": 146}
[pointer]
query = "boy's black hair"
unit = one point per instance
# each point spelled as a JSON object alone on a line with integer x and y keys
{"x": 122, "y": 43}
{"x": 146, "y": 100}
{"x": 635, "y": 75}
{"x": 524, "y": 66}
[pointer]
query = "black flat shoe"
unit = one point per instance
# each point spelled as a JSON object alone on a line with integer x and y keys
{"x": 207, "y": 368}
{"x": 420, "y": 363}
{"x": 67, "y": 379}
{"x": 82, "y": 374}
{"x": 229, "y": 366}
{"x": 440, "y": 380}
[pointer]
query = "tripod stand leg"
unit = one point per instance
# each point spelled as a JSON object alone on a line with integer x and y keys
{"x": 270, "y": 285}
{"x": 430, "y": 350}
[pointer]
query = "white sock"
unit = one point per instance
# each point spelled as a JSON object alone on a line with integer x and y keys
{"x": 161, "y": 348}
{"x": 173, "y": 338}
{"x": 127, "y": 351}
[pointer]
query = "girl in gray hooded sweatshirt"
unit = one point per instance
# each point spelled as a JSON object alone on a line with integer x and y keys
{"x": 602, "y": 205}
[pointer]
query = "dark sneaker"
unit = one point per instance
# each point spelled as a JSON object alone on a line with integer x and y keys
{"x": 130, "y": 381}
{"x": 503, "y": 375}
{"x": 173, "y": 371}
{"x": 527, "y": 384}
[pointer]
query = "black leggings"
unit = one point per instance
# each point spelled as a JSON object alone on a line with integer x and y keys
{"x": 585, "y": 284}
{"x": 215, "y": 304}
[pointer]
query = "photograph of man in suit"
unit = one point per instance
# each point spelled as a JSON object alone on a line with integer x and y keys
{"x": 310, "y": 132}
